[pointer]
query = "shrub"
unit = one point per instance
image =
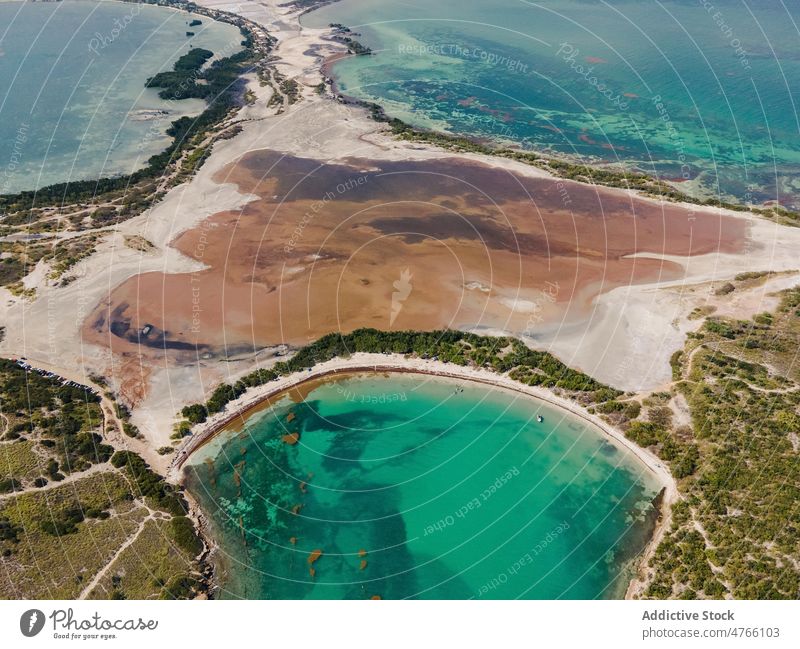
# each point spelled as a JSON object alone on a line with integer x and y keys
{"x": 660, "y": 416}
{"x": 9, "y": 531}
{"x": 195, "y": 413}
{"x": 632, "y": 409}
{"x": 643, "y": 433}
{"x": 179, "y": 588}
{"x": 8, "y": 485}
{"x": 65, "y": 522}
{"x": 149, "y": 484}
{"x": 184, "y": 535}
{"x": 610, "y": 406}
{"x": 725, "y": 289}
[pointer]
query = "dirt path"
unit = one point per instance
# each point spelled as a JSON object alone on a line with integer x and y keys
{"x": 113, "y": 433}
{"x": 55, "y": 484}
{"x": 102, "y": 572}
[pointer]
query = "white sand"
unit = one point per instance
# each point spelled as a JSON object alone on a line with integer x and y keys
{"x": 633, "y": 331}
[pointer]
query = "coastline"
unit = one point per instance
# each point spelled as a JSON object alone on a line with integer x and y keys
{"x": 326, "y": 130}
{"x": 343, "y": 134}
{"x": 255, "y": 398}
{"x": 172, "y": 108}
{"x": 654, "y": 314}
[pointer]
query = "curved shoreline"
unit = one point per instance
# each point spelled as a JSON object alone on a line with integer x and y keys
{"x": 165, "y": 107}
{"x": 254, "y": 398}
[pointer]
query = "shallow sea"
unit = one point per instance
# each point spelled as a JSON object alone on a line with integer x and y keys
{"x": 703, "y": 97}
{"x": 419, "y": 487}
{"x": 73, "y": 105}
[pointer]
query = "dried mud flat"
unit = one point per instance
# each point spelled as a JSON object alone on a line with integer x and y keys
{"x": 399, "y": 245}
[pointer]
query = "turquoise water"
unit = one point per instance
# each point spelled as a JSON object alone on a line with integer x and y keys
{"x": 446, "y": 489}
{"x": 73, "y": 104}
{"x": 703, "y": 97}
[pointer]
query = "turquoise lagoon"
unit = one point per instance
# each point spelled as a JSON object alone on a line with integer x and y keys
{"x": 443, "y": 488}
{"x": 73, "y": 105}
{"x": 703, "y": 93}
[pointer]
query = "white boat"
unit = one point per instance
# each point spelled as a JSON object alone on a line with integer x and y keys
{"x": 539, "y": 418}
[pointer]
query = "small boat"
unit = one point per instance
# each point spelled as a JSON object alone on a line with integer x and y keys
{"x": 539, "y": 418}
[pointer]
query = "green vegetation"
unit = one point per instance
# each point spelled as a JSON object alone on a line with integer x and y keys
{"x": 53, "y": 542}
{"x": 9, "y": 536}
{"x": 9, "y": 485}
{"x": 180, "y": 82}
{"x": 64, "y": 522}
{"x": 183, "y": 429}
{"x": 188, "y": 80}
{"x": 737, "y": 531}
{"x": 291, "y": 89}
{"x": 742, "y": 277}
{"x": 124, "y": 415}
{"x": 55, "y": 538}
{"x": 182, "y": 531}
{"x": 344, "y": 35}
{"x": 19, "y": 460}
{"x": 68, "y": 252}
{"x": 64, "y": 419}
{"x": 38, "y": 565}
{"x": 148, "y": 484}
{"x": 150, "y": 568}
{"x": 457, "y": 347}
{"x": 700, "y": 312}
{"x": 62, "y": 255}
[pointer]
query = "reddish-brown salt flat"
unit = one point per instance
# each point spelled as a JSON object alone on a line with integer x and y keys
{"x": 397, "y": 245}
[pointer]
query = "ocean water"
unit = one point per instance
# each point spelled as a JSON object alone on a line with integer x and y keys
{"x": 73, "y": 105}
{"x": 696, "y": 92}
{"x": 405, "y": 486}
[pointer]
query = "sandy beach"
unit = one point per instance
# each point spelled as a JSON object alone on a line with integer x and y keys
{"x": 236, "y": 413}
{"x": 237, "y": 410}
